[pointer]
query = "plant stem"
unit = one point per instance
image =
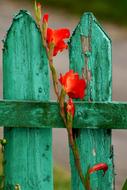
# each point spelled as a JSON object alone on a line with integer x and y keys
{"x": 55, "y": 79}
{"x": 61, "y": 100}
{"x": 71, "y": 139}
{"x": 62, "y": 107}
{"x": 75, "y": 151}
{"x": 52, "y": 68}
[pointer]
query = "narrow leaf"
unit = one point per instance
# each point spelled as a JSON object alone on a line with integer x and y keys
{"x": 125, "y": 185}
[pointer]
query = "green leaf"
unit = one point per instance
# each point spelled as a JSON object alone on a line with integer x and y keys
{"x": 125, "y": 185}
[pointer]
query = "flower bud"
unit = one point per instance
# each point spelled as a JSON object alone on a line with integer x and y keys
{"x": 45, "y": 25}
{"x": 38, "y": 12}
{"x": 70, "y": 107}
{"x": 45, "y": 18}
{"x": 17, "y": 187}
{"x": 3, "y": 142}
{"x": 100, "y": 166}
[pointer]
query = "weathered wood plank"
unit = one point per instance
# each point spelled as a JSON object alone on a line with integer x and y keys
{"x": 28, "y": 152}
{"x": 38, "y": 114}
{"x": 90, "y": 55}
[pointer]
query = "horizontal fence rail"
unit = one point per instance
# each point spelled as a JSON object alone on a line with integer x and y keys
{"x": 39, "y": 114}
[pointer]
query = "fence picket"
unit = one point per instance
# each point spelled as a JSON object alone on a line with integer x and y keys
{"x": 28, "y": 152}
{"x": 90, "y": 55}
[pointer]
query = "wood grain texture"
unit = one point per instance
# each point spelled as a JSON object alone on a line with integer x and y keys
{"x": 90, "y": 56}
{"x": 28, "y": 152}
{"x": 35, "y": 114}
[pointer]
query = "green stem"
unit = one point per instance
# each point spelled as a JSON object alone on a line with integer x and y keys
{"x": 72, "y": 142}
{"x": 61, "y": 100}
{"x": 52, "y": 68}
{"x": 54, "y": 78}
{"x": 62, "y": 107}
{"x": 75, "y": 151}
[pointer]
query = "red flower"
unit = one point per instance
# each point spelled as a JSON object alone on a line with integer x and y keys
{"x": 56, "y": 37}
{"x": 100, "y": 166}
{"x": 45, "y": 18}
{"x": 70, "y": 107}
{"x": 73, "y": 85}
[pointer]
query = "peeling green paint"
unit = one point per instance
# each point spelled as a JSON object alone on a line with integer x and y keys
{"x": 28, "y": 115}
{"x": 34, "y": 114}
{"x": 94, "y": 145}
{"x": 25, "y": 77}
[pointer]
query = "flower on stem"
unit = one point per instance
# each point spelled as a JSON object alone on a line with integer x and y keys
{"x": 38, "y": 12}
{"x": 100, "y": 166}
{"x": 73, "y": 85}
{"x": 55, "y": 38}
{"x": 70, "y": 107}
{"x": 97, "y": 167}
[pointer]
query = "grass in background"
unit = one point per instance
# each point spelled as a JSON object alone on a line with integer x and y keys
{"x": 62, "y": 180}
{"x": 109, "y": 10}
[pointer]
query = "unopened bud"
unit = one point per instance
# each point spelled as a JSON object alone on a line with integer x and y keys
{"x": 17, "y": 187}
{"x": 3, "y": 141}
{"x": 70, "y": 107}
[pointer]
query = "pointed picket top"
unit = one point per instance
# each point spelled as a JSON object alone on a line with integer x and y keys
{"x": 20, "y": 14}
{"x": 90, "y": 41}
{"x": 86, "y": 20}
{"x": 90, "y": 56}
{"x": 25, "y": 28}
{"x": 91, "y": 19}
{"x": 28, "y": 153}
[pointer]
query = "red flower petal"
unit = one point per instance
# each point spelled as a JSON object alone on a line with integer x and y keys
{"x": 49, "y": 35}
{"x": 56, "y": 37}
{"x": 62, "y": 79}
{"x": 61, "y": 34}
{"x": 60, "y": 46}
{"x": 73, "y": 85}
{"x": 100, "y": 166}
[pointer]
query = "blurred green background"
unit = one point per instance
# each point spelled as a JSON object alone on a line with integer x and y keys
{"x": 62, "y": 179}
{"x": 109, "y": 10}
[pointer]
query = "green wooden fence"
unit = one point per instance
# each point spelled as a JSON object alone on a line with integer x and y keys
{"x": 27, "y": 113}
